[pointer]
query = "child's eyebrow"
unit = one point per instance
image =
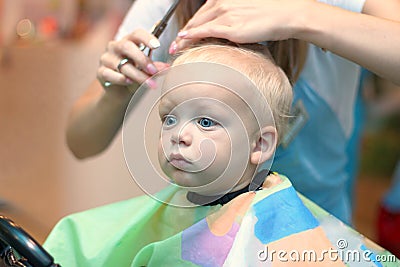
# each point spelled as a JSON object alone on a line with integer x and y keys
{"x": 165, "y": 107}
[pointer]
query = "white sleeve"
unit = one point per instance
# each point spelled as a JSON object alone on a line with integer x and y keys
{"x": 143, "y": 14}
{"x": 351, "y": 5}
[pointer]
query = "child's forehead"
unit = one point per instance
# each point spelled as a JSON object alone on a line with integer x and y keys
{"x": 198, "y": 90}
{"x": 198, "y": 100}
{"x": 206, "y": 97}
{"x": 223, "y": 91}
{"x": 213, "y": 80}
{"x": 207, "y": 73}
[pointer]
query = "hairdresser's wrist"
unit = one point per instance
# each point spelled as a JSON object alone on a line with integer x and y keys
{"x": 298, "y": 20}
{"x": 118, "y": 96}
{"x": 313, "y": 23}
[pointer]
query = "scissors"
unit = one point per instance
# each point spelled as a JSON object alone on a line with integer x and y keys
{"x": 158, "y": 29}
{"x": 160, "y": 26}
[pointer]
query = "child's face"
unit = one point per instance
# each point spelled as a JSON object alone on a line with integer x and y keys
{"x": 206, "y": 135}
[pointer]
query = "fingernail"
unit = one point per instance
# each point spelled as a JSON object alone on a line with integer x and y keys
{"x": 128, "y": 81}
{"x": 154, "y": 43}
{"x": 151, "y": 83}
{"x": 172, "y": 48}
{"x": 182, "y": 33}
{"x": 151, "y": 69}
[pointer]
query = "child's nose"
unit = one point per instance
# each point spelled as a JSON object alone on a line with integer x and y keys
{"x": 182, "y": 136}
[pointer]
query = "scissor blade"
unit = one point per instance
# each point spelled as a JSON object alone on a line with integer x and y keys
{"x": 158, "y": 30}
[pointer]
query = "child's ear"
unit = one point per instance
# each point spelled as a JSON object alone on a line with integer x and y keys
{"x": 265, "y": 145}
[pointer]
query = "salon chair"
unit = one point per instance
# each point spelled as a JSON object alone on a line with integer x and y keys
{"x": 19, "y": 249}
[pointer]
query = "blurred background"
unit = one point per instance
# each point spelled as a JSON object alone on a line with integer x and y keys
{"x": 49, "y": 52}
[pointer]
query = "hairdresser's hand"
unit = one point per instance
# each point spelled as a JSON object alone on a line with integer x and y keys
{"x": 242, "y": 21}
{"x": 139, "y": 67}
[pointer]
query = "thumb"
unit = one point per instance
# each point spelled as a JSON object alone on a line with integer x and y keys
{"x": 161, "y": 65}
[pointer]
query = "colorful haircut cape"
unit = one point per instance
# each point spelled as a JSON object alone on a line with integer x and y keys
{"x": 274, "y": 226}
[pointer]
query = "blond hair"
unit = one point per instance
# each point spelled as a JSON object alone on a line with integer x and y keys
{"x": 289, "y": 54}
{"x": 258, "y": 67}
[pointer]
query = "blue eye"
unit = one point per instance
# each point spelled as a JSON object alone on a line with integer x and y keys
{"x": 206, "y": 122}
{"x": 169, "y": 120}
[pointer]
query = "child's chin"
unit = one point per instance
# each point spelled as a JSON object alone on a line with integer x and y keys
{"x": 186, "y": 180}
{"x": 187, "y": 183}
{"x": 193, "y": 182}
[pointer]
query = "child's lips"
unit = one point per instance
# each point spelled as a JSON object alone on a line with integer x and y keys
{"x": 180, "y": 164}
{"x": 179, "y": 161}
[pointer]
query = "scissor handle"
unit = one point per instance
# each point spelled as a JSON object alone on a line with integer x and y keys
{"x": 14, "y": 236}
{"x": 159, "y": 27}
{"x": 146, "y": 50}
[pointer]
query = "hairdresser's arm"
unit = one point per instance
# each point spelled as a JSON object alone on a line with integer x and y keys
{"x": 97, "y": 116}
{"x": 95, "y": 119}
{"x": 371, "y": 39}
